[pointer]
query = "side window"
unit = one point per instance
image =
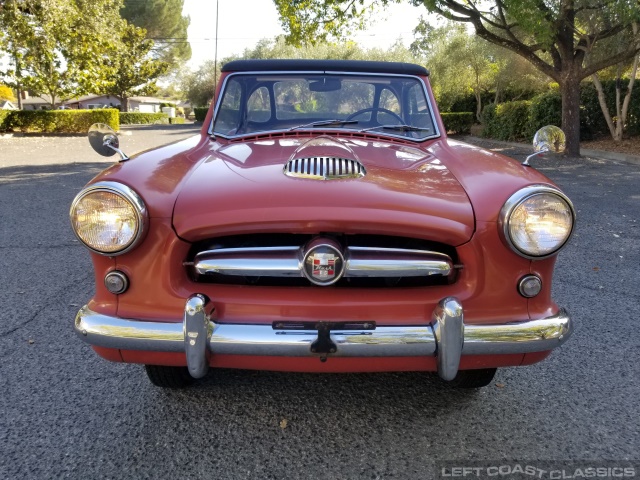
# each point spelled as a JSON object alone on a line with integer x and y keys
{"x": 229, "y": 113}
{"x": 419, "y": 109}
{"x": 389, "y": 101}
{"x": 417, "y": 102}
{"x": 259, "y": 105}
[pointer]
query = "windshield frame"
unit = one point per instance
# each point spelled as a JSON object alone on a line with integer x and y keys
{"x": 345, "y": 129}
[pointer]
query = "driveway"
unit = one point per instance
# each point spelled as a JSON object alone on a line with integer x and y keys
{"x": 65, "y": 413}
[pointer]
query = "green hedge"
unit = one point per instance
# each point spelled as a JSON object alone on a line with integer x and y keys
{"x": 176, "y": 121}
{"x": 458, "y": 122}
{"x": 57, "y": 121}
{"x": 546, "y": 109}
{"x": 200, "y": 113}
{"x": 4, "y": 114}
{"x": 507, "y": 121}
{"x": 138, "y": 118}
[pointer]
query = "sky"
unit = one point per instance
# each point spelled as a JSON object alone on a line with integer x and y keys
{"x": 244, "y": 22}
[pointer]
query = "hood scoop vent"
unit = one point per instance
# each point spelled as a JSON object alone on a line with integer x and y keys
{"x": 324, "y": 168}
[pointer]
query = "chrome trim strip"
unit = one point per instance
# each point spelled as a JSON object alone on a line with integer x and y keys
{"x": 251, "y": 262}
{"x": 395, "y": 262}
{"x": 286, "y": 262}
{"x": 436, "y": 128}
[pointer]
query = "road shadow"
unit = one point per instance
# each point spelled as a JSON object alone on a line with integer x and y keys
{"x": 40, "y": 174}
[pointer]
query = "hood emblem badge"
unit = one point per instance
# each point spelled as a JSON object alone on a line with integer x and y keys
{"x": 322, "y": 262}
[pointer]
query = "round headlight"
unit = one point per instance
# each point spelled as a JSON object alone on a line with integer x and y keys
{"x": 537, "y": 221}
{"x": 108, "y": 217}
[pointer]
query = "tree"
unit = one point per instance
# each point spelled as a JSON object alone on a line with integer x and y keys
{"x": 461, "y": 63}
{"x": 553, "y": 35}
{"x": 6, "y": 93}
{"x": 60, "y": 47}
{"x": 199, "y": 86}
{"x": 165, "y": 25}
{"x": 133, "y": 72}
{"x": 617, "y": 123}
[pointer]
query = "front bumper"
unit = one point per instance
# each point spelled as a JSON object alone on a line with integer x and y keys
{"x": 446, "y": 337}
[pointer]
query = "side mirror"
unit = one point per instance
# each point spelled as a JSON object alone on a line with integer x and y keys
{"x": 547, "y": 139}
{"x": 105, "y": 141}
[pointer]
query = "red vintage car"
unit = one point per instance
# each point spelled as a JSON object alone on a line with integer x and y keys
{"x": 322, "y": 221}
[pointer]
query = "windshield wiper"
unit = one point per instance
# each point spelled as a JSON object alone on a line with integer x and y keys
{"x": 324, "y": 123}
{"x": 402, "y": 128}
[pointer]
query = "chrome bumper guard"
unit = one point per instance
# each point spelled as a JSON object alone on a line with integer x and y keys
{"x": 447, "y": 337}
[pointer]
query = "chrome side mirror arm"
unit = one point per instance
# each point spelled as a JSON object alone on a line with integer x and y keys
{"x": 547, "y": 139}
{"x": 105, "y": 141}
{"x": 529, "y": 157}
{"x": 111, "y": 141}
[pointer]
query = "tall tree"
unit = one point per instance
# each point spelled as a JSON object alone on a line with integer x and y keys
{"x": 134, "y": 71}
{"x": 165, "y": 25}
{"x": 60, "y": 47}
{"x": 198, "y": 86}
{"x": 617, "y": 122}
{"x": 554, "y": 35}
{"x": 461, "y": 63}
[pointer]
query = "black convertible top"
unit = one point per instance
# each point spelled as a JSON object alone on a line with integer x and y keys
{"x": 289, "y": 65}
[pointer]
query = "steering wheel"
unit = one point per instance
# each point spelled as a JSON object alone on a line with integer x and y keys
{"x": 374, "y": 109}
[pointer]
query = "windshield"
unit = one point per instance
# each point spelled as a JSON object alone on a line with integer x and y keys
{"x": 386, "y": 105}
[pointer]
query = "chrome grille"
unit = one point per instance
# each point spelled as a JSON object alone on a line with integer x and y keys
{"x": 324, "y": 168}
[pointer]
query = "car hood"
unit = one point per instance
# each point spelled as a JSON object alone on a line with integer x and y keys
{"x": 241, "y": 188}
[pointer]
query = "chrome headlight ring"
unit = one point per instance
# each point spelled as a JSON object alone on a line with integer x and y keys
{"x": 139, "y": 216}
{"x": 517, "y": 203}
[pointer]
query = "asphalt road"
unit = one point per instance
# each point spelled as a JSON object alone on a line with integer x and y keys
{"x": 65, "y": 413}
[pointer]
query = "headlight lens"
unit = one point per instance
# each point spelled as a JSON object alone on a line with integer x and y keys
{"x": 537, "y": 221}
{"x": 108, "y": 217}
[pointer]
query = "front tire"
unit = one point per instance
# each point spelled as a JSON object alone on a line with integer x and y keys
{"x": 473, "y": 378}
{"x": 169, "y": 377}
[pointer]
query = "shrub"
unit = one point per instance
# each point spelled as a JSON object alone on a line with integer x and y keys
{"x": 488, "y": 120}
{"x": 507, "y": 121}
{"x": 138, "y": 118}
{"x": 546, "y": 109}
{"x": 458, "y": 122}
{"x": 176, "y": 121}
{"x": 4, "y": 114}
{"x": 200, "y": 113}
{"x": 59, "y": 121}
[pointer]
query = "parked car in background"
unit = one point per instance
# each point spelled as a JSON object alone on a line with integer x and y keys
{"x": 322, "y": 221}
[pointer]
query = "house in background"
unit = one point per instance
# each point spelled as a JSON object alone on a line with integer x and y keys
{"x": 147, "y": 104}
{"x": 89, "y": 102}
{"x": 43, "y": 102}
{"x": 7, "y": 105}
{"x": 136, "y": 104}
